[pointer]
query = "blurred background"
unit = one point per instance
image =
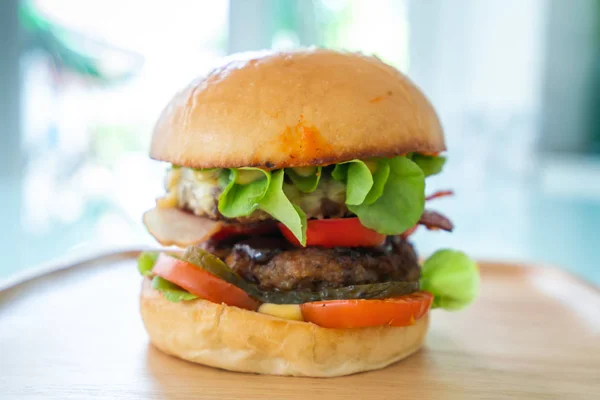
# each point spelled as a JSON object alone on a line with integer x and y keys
{"x": 516, "y": 84}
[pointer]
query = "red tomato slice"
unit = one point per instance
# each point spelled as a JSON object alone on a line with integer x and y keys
{"x": 341, "y": 314}
{"x": 343, "y": 232}
{"x": 202, "y": 283}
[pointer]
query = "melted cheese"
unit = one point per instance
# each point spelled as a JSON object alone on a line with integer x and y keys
{"x": 168, "y": 201}
{"x": 285, "y": 311}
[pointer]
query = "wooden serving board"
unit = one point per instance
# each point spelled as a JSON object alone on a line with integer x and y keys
{"x": 75, "y": 333}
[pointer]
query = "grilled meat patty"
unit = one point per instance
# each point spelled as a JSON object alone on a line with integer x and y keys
{"x": 273, "y": 263}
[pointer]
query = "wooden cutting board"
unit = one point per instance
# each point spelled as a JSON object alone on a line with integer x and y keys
{"x": 76, "y": 333}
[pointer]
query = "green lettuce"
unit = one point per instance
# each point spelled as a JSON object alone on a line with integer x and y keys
{"x": 430, "y": 165}
{"x": 362, "y": 185}
{"x": 276, "y": 204}
{"x": 389, "y": 197}
{"x": 223, "y": 179}
{"x": 306, "y": 184}
{"x": 171, "y": 291}
{"x": 358, "y": 179}
{"x": 452, "y": 277}
{"x": 401, "y": 203}
{"x": 238, "y": 200}
{"x": 146, "y": 261}
{"x": 380, "y": 177}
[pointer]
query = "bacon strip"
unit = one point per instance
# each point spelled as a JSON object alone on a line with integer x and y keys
{"x": 434, "y": 220}
{"x": 439, "y": 193}
{"x": 172, "y": 226}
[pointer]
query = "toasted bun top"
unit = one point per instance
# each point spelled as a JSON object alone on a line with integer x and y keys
{"x": 297, "y": 108}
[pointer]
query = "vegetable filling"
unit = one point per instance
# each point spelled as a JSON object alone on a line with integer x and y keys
{"x": 324, "y": 244}
{"x": 386, "y": 194}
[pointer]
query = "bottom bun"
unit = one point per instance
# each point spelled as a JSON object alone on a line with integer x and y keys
{"x": 234, "y": 339}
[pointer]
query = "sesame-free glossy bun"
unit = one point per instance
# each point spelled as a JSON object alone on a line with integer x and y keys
{"x": 305, "y": 107}
{"x": 234, "y": 339}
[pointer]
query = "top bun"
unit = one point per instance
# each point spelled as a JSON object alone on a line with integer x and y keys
{"x": 287, "y": 109}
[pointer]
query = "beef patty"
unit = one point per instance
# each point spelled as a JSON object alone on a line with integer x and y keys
{"x": 273, "y": 263}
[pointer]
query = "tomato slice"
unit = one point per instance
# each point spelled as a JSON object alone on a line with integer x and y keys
{"x": 341, "y": 314}
{"x": 202, "y": 283}
{"x": 334, "y": 232}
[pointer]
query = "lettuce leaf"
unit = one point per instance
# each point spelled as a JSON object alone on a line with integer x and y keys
{"x": 238, "y": 200}
{"x": 146, "y": 261}
{"x": 359, "y": 182}
{"x": 276, "y": 204}
{"x": 380, "y": 177}
{"x": 267, "y": 194}
{"x": 389, "y": 200}
{"x": 402, "y": 202}
{"x": 340, "y": 171}
{"x": 362, "y": 185}
{"x": 171, "y": 291}
{"x": 306, "y": 184}
{"x": 452, "y": 277}
{"x": 357, "y": 177}
{"x": 223, "y": 180}
{"x": 430, "y": 165}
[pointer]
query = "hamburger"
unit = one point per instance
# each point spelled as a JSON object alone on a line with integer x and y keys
{"x": 294, "y": 182}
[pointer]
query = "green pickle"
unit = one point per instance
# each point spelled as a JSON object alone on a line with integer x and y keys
{"x": 211, "y": 263}
{"x": 215, "y": 266}
{"x": 367, "y": 291}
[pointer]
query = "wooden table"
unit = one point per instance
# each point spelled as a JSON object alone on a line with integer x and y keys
{"x": 76, "y": 334}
